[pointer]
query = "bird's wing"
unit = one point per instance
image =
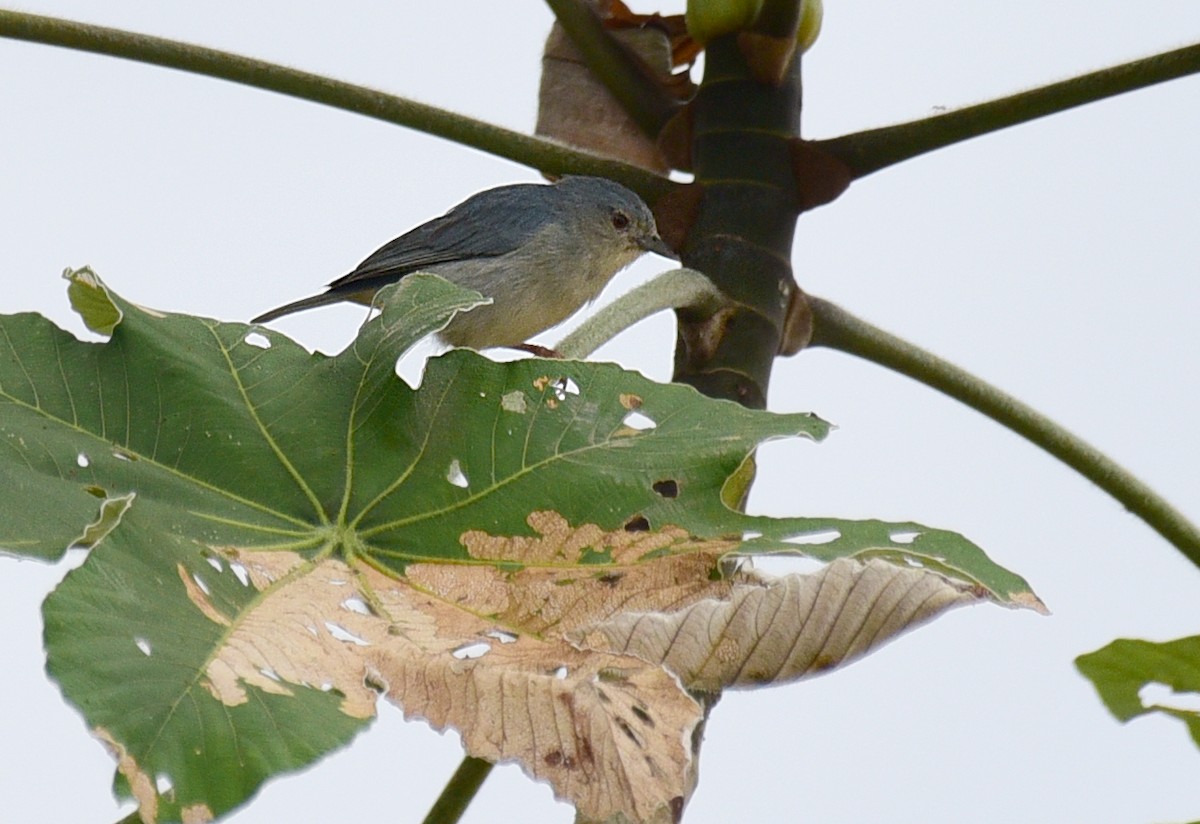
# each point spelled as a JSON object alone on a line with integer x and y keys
{"x": 489, "y": 224}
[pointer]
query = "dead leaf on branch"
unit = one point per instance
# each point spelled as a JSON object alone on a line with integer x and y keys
{"x": 684, "y": 49}
{"x": 575, "y": 107}
{"x": 577, "y": 671}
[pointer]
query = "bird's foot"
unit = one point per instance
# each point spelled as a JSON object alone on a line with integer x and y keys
{"x": 538, "y": 351}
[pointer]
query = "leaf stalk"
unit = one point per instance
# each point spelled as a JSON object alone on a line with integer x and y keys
{"x": 869, "y": 151}
{"x": 836, "y": 328}
{"x": 538, "y": 153}
{"x": 459, "y": 791}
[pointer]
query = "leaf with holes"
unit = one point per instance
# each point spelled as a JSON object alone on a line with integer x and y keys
{"x": 533, "y": 553}
{"x": 1137, "y": 677}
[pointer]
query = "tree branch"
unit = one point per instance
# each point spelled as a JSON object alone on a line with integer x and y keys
{"x": 869, "y": 151}
{"x": 545, "y": 155}
{"x": 625, "y": 76}
{"x": 836, "y": 328}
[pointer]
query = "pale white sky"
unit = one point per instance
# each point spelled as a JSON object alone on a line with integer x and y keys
{"x": 1060, "y": 259}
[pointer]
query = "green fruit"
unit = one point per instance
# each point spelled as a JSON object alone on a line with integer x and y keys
{"x": 707, "y": 19}
{"x": 811, "y": 14}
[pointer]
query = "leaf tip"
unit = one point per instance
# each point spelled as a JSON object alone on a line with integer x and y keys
{"x": 92, "y": 300}
{"x": 1027, "y": 600}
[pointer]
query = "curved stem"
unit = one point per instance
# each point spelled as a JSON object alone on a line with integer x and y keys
{"x": 459, "y": 791}
{"x": 869, "y": 151}
{"x": 626, "y": 77}
{"x": 836, "y": 328}
{"x": 674, "y": 289}
{"x": 545, "y": 155}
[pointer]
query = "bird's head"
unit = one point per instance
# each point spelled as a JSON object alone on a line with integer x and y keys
{"x": 615, "y": 223}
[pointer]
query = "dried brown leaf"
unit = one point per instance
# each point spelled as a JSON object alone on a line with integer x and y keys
{"x": 570, "y": 651}
{"x": 684, "y": 49}
{"x": 575, "y": 107}
{"x": 771, "y": 630}
{"x": 608, "y": 732}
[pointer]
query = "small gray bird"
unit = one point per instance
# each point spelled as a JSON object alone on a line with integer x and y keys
{"x": 540, "y": 252}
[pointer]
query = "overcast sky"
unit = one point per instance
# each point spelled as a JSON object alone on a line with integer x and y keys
{"x": 1061, "y": 260}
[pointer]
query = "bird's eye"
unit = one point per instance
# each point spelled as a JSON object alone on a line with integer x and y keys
{"x": 620, "y": 221}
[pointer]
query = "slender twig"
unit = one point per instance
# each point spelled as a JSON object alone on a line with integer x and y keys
{"x": 538, "y": 153}
{"x": 459, "y": 791}
{"x": 869, "y": 151}
{"x": 623, "y": 73}
{"x": 836, "y": 328}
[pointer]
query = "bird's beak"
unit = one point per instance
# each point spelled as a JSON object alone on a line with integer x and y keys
{"x": 658, "y": 246}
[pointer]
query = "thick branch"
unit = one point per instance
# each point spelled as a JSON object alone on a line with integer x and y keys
{"x": 625, "y": 75}
{"x": 537, "y": 153}
{"x": 870, "y": 151}
{"x": 838, "y": 329}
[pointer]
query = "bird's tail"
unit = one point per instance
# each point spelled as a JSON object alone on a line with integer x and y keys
{"x": 323, "y": 299}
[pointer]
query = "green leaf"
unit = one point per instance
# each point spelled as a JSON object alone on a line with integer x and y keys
{"x": 128, "y": 647}
{"x": 1121, "y": 670}
{"x": 232, "y": 482}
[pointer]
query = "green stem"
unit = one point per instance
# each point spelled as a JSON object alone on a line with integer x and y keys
{"x": 459, "y": 791}
{"x": 537, "y": 153}
{"x": 836, "y": 328}
{"x": 625, "y": 75}
{"x": 674, "y": 289}
{"x": 869, "y": 151}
